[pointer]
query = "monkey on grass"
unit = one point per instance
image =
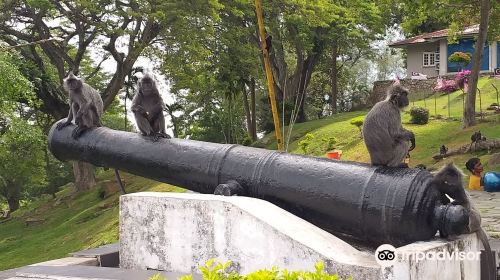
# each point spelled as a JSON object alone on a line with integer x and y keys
{"x": 147, "y": 106}
{"x": 387, "y": 141}
{"x": 449, "y": 182}
{"x": 443, "y": 150}
{"x": 85, "y": 106}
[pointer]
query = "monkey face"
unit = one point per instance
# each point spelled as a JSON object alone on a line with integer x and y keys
{"x": 147, "y": 85}
{"x": 399, "y": 96}
{"x": 403, "y": 100}
{"x": 73, "y": 83}
{"x": 449, "y": 180}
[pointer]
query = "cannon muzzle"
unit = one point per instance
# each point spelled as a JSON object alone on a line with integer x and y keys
{"x": 374, "y": 205}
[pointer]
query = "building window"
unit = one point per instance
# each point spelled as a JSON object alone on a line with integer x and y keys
{"x": 430, "y": 59}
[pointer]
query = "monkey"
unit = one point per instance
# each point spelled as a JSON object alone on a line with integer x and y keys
{"x": 443, "y": 150}
{"x": 475, "y": 138}
{"x": 147, "y": 106}
{"x": 384, "y": 136}
{"x": 85, "y": 106}
{"x": 421, "y": 166}
{"x": 449, "y": 182}
{"x": 269, "y": 43}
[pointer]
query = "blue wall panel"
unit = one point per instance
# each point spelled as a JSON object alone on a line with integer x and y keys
{"x": 498, "y": 55}
{"x": 467, "y": 45}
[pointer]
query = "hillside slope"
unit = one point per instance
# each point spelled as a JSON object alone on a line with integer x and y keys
{"x": 429, "y": 137}
{"x": 71, "y": 223}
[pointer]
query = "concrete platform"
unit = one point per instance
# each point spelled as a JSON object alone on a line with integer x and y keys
{"x": 180, "y": 232}
{"x": 107, "y": 255}
{"x": 78, "y": 272}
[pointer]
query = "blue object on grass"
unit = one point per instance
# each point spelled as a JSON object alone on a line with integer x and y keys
{"x": 491, "y": 181}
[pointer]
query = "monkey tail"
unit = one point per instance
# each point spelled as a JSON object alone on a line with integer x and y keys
{"x": 119, "y": 180}
{"x": 490, "y": 260}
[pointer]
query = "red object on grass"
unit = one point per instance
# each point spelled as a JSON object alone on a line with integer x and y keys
{"x": 335, "y": 154}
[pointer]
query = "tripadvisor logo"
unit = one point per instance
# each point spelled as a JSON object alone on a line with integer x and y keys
{"x": 387, "y": 255}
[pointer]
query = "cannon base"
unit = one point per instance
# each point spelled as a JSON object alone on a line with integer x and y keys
{"x": 180, "y": 232}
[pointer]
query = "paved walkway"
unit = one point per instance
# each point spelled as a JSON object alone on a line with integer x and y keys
{"x": 489, "y": 206}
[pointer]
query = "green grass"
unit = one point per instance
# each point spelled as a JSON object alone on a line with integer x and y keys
{"x": 79, "y": 222}
{"x": 429, "y": 137}
{"x": 438, "y": 103}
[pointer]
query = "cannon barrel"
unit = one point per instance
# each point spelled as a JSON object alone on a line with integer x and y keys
{"x": 372, "y": 204}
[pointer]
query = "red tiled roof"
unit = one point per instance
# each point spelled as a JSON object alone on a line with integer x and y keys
{"x": 429, "y": 37}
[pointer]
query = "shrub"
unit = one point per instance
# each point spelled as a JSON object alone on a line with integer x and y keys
{"x": 358, "y": 122}
{"x": 304, "y": 143}
{"x": 419, "y": 115}
{"x": 460, "y": 57}
{"x": 447, "y": 86}
{"x": 220, "y": 271}
{"x": 329, "y": 143}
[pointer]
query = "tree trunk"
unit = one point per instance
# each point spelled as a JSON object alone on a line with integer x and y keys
{"x": 252, "y": 110}
{"x": 170, "y": 111}
{"x": 84, "y": 176}
{"x": 305, "y": 78}
{"x": 247, "y": 109}
{"x": 334, "y": 79}
{"x": 470, "y": 103}
{"x": 13, "y": 204}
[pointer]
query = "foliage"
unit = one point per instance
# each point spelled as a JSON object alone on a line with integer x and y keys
{"x": 446, "y": 86}
{"x": 437, "y": 132}
{"x": 458, "y": 14}
{"x": 358, "y": 122}
{"x": 462, "y": 58}
{"x": 329, "y": 143}
{"x": 72, "y": 222}
{"x": 306, "y": 142}
{"x": 462, "y": 77}
{"x": 221, "y": 271}
{"x": 21, "y": 147}
{"x": 14, "y": 86}
{"x": 419, "y": 115}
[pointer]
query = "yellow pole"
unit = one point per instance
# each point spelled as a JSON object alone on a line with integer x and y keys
{"x": 269, "y": 74}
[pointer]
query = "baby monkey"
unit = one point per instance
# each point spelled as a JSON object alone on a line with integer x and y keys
{"x": 147, "y": 106}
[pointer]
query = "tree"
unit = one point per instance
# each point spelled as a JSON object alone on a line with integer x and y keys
{"x": 470, "y": 102}
{"x": 81, "y": 25}
{"x": 459, "y": 14}
{"x": 21, "y": 143}
{"x": 21, "y": 151}
{"x": 212, "y": 60}
{"x": 304, "y": 30}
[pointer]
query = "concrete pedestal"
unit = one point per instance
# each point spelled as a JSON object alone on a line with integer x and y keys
{"x": 180, "y": 232}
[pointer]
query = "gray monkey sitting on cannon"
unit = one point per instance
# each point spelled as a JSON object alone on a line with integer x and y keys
{"x": 370, "y": 204}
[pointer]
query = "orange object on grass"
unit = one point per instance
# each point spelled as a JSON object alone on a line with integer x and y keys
{"x": 335, "y": 154}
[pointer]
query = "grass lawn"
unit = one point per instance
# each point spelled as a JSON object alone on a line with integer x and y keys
{"x": 77, "y": 223}
{"x": 429, "y": 137}
{"x": 438, "y": 102}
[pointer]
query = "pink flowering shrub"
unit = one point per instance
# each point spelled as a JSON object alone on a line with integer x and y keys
{"x": 447, "y": 86}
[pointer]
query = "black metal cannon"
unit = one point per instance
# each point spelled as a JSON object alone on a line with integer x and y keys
{"x": 371, "y": 204}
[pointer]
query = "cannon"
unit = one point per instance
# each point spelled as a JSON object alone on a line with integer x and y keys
{"x": 355, "y": 201}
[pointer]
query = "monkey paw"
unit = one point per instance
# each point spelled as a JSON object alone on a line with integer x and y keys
{"x": 164, "y": 135}
{"x": 62, "y": 125}
{"x": 77, "y": 132}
